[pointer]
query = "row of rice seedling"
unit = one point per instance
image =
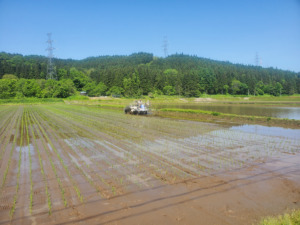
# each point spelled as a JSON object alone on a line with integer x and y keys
{"x": 95, "y": 128}
{"x": 187, "y": 152}
{"x": 55, "y": 172}
{"x": 158, "y": 172}
{"x": 67, "y": 151}
{"x": 5, "y": 118}
{"x": 48, "y": 196}
{"x": 30, "y": 162}
{"x": 19, "y": 167}
{"x": 94, "y": 165}
{"x": 86, "y": 120}
{"x": 11, "y": 152}
{"x": 7, "y": 133}
{"x": 42, "y": 130}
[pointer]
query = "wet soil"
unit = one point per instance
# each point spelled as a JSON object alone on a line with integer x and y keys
{"x": 97, "y": 166}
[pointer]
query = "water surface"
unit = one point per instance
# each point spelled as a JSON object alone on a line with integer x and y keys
{"x": 250, "y": 110}
{"x": 269, "y": 131}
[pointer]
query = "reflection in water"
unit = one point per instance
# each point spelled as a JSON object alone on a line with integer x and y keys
{"x": 251, "y": 110}
{"x": 269, "y": 131}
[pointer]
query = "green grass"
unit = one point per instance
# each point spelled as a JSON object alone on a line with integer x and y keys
{"x": 191, "y": 111}
{"x": 251, "y": 98}
{"x": 78, "y": 97}
{"x": 30, "y": 100}
{"x": 292, "y": 218}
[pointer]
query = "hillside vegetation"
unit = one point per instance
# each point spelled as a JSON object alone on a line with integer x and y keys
{"x": 140, "y": 74}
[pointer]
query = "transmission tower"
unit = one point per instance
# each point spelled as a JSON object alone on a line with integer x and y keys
{"x": 165, "y": 46}
{"x": 51, "y": 74}
{"x": 257, "y": 61}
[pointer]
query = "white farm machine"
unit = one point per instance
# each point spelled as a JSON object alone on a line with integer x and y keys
{"x": 137, "y": 108}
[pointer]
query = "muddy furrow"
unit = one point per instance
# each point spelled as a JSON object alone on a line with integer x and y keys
{"x": 6, "y": 117}
{"x": 9, "y": 173}
{"x": 8, "y": 135}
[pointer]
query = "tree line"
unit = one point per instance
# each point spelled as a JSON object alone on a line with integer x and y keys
{"x": 140, "y": 74}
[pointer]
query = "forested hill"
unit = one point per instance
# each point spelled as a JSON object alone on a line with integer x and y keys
{"x": 143, "y": 73}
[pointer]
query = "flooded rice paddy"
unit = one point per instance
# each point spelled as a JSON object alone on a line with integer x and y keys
{"x": 60, "y": 163}
{"x": 243, "y": 109}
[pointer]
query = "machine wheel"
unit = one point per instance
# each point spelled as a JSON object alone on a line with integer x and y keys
{"x": 127, "y": 109}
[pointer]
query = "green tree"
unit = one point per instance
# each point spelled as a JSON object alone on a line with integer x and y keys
{"x": 89, "y": 88}
{"x": 100, "y": 89}
{"x": 259, "y": 88}
{"x": 225, "y": 89}
{"x": 7, "y": 88}
{"x": 95, "y": 90}
{"x": 49, "y": 88}
{"x": 79, "y": 78}
{"x": 277, "y": 89}
{"x": 132, "y": 85}
{"x": 154, "y": 73}
{"x": 191, "y": 85}
{"x": 10, "y": 76}
{"x": 243, "y": 89}
{"x": 169, "y": 90}
{"x": 115, "y": 91}
{"x": 235, "y": 86}
{"x": 170, "y": 77}
{"x": 64, "y": 89}
{"x": 62, "y": 74}
{"x": 28, "y": 88}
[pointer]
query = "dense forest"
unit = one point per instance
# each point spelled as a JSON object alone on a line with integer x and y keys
{"x": 140, "y": 74}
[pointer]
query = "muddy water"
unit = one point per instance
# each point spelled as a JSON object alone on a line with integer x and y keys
{"x": 250, "y": 110}
{"x": 270, "y": 131}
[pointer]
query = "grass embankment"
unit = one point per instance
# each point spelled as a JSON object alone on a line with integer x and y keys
{"x": 265, "y": 100}
{"x": 209, "y": 116}
{"x": 173, "y": 100}
{"x": 30, "y": 101}
{"x": 292, "y": 218}
{"x": 283, "y": 98}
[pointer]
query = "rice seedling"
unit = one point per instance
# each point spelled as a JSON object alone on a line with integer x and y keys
{"x": 41, "y": 166}
{"x": 60, "y": 159}
{"x": 10, "y": 155}
{"x": 11, "y": 213}
{"x": 30, "y": 163}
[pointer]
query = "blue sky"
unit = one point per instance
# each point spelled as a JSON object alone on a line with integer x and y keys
{"x": 227, "y": 30}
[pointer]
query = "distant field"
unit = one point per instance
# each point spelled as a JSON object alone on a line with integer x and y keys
{"x": 163, "y": 99}
{"x": 64, "y": 164}
{"x": 224, "y": 108}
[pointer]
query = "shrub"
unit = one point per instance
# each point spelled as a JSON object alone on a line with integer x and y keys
{"x": 292, "y": 219}
{"x": 215, "y": 113}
